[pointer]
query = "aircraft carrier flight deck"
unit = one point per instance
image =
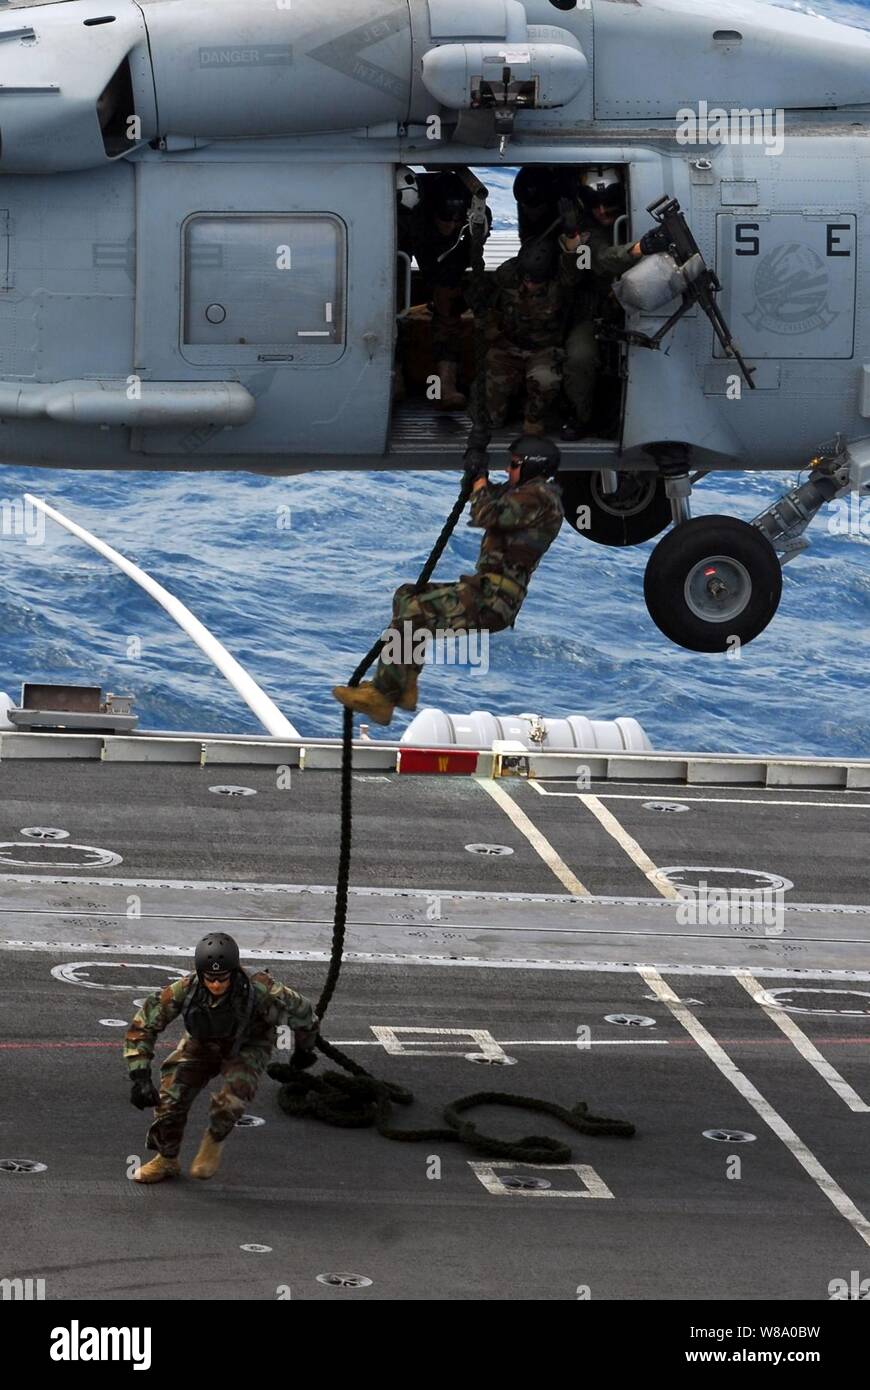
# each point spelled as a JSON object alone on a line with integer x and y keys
{"x": 537, "y": 937}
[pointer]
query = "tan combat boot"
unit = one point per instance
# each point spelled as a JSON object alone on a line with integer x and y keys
{"x": 208, "y": 1157}
{"x": 365, "y": 699}
{"x": 158, "y": 1169}
{"x": 534, "y": 427}
{"x": 409, "y": 697}
{"x": 451, "y": 397}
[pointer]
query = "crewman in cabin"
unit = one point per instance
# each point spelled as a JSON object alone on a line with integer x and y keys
{"x": 587, "y": 220}
{"x": 231, "y": 1019}
{"x": 435, "y": 230}
{"x": 578, "y": 214}
{"x": 520, "y": 520}
{"x": 527, "y": 307}
{"x": 537, "y": 190}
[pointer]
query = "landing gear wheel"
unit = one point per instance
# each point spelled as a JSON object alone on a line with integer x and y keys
{"x": 637, "y": 511}
{"x": 710, "y": 580}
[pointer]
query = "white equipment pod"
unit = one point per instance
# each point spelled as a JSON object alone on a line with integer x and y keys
{"x": 433, "y": 728}
{"x": 655, "y": 281}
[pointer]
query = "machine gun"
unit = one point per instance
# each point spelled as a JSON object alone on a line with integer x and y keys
{"x": 688, "y": 275}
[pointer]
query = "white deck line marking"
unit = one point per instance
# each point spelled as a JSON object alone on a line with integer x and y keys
{"x": 668, "y": 791}
{"x": 593, "y": 1185}
{"x": 233, "y": 887}
{"x": 394, "y": 958}
{"x": 413, "y": 1046}
{"x": 539, "y": 843}
{"x": 510, "y": 930}
{"x": 805, "y": 1047}
{"x": 521, "y": 1042}
{"x": 637, "y": 855}
{"x": 765, "y": 1111}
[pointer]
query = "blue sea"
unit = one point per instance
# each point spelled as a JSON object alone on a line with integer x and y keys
{"x": 298, "y": 605}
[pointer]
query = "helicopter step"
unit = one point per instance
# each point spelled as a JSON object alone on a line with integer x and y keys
{"x": 420, "y": 430}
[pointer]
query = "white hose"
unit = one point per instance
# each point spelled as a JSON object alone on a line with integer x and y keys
{"x": 256, "y": 699}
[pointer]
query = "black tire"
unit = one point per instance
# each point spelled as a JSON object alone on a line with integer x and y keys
{"x": 677, "y": 587}
{"x": 637, "y": 512}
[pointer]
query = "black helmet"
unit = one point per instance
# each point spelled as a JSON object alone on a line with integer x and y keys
{"x": 535, "y": 186}
{"x": 537, "y": 261}
{"x": 538, "y": 457}
{"x": 450, "y": 198}
{"x": 216, "y": 954}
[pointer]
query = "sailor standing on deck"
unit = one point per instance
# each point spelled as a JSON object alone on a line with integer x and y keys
{"x": 231, "y": 1019}
{"x": 521, "y": 519}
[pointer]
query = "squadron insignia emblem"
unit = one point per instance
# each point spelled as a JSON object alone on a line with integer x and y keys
{"x": 791, "y": 291}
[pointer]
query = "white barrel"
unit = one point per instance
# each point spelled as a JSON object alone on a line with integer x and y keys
{"x": 434, "y": 728}
{"x": 5, "y": 704}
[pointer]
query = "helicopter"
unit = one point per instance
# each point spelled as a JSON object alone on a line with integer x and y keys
{"x": 199, "y": 261}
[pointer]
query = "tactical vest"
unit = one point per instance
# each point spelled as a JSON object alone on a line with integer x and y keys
{"x": 228, "y": 1020}
{"x": 517, "y": 552}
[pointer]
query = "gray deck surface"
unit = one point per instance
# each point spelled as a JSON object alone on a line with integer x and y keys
{"x": 440, "y": 938}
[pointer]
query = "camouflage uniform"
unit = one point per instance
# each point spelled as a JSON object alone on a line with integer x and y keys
{"x": 581, "y": 361}
{"x": 591, "y": 299}
{"x": 525, "y": 333}
{"x": 521, "y": 524}
{"x": 195, "y": 1062}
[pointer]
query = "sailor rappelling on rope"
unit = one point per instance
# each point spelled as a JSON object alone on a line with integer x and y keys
{"x": 520, "y": 519}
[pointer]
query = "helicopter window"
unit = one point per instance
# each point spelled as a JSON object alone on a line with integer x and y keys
{"x": 255, "y": 282}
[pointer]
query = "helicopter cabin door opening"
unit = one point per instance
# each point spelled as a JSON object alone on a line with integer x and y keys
{"x": 431, "y": 408}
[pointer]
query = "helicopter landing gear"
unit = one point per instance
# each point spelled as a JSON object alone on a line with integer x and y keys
{"x": 713, "y": 582}
{"x": 616, "y": 508}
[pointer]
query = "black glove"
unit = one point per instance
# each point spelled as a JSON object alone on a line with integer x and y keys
{"x": 653, "y": 241}
{"x": 144, "y": 1094}
{"x": 304, "y": 1043}
{"x": 570, "y": 219}
{"x": 476, "y": 466}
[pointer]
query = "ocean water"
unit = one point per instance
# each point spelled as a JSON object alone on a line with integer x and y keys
{"x": 297, "y": 605}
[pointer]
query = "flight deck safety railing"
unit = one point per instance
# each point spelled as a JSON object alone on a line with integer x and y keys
{"x": 499, "y": 761}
